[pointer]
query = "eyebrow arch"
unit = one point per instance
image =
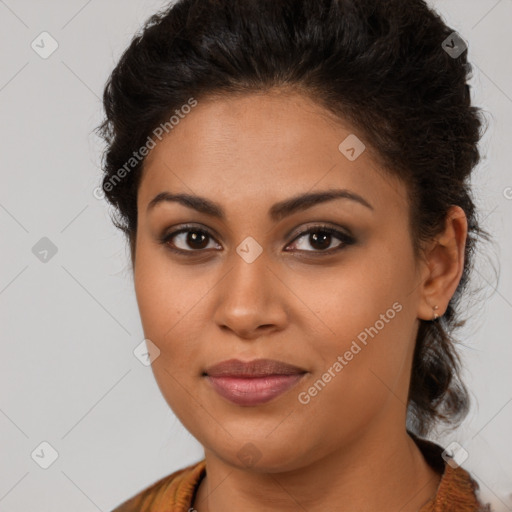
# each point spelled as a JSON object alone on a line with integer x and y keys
{"x": 277, "y": 212}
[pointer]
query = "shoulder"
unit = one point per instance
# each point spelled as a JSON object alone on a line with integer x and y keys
{"x": 169, "y": 493}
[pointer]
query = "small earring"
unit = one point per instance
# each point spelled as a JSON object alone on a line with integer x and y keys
{"x": 436, "y": 316}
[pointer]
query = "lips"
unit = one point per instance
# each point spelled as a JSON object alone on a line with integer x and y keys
{"x": 255, "y": 368}
{"x": 253, "y": 383}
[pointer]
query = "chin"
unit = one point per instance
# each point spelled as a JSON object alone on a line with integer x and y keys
{"x": 260, "y": 454}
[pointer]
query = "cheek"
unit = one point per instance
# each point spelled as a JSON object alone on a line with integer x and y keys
{"x": 171, "y": 299}
{"x": 362, "y": 368}
{"x": 166, "y": 307}
{"x": 162, "y": 296}
{"x": 367, "y": 319}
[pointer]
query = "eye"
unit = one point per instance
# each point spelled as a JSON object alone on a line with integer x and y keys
{"x": 321, "y": 239}
{"x": 188, "y": 239}
{"x": 191, "y": 239}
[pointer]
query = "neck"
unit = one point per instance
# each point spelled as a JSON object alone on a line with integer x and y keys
{"x": 383, "y": 470}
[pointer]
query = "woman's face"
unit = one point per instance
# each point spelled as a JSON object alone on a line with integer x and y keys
{"x": 344, "y": 310}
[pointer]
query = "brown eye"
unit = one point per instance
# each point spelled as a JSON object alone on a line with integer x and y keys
{"x": 321, "y": 239}
{"x": 196, "y": 239}
{"x": 188, "y": 240}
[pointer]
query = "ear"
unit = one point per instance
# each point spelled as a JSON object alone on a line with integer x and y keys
{"x": 443, "y": 265}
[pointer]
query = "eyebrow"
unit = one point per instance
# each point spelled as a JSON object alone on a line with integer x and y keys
{"x": 277, "y": 212}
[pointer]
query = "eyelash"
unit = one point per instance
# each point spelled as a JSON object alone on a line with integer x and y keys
{"x": 345, "y": 239}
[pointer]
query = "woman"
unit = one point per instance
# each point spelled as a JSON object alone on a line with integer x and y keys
{"x": 293, "y": 179}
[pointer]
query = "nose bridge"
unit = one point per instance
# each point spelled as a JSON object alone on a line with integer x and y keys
{"x": 249, "y": 276}
{"x": 249, "y": 297}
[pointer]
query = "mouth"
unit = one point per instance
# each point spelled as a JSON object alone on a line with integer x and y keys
{"x": 254, "y": 382}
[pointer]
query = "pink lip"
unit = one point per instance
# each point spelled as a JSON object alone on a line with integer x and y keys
{"x": 254, "y": 382}
{"x": 253, "y": 390}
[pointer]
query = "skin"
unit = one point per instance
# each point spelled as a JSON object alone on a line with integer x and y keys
{"x": 348, "y": 446}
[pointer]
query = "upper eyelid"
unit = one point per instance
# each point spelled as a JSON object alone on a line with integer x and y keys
{"x": 320, "y": 225}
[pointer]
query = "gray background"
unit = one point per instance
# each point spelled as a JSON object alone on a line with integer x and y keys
{"x": 68, "y": 375}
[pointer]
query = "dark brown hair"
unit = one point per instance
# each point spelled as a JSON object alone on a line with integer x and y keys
{"x": 380, "y": 65}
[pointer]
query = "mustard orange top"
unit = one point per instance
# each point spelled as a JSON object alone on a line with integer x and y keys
{"x": 457, "y": 491}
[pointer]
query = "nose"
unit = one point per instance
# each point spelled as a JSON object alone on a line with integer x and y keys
{"x": 251, "y": 299}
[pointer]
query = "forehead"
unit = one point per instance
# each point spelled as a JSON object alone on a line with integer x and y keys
{"x": 261, "y": 146}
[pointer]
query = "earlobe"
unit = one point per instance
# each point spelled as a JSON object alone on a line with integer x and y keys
{"x": 445, "y": 264}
